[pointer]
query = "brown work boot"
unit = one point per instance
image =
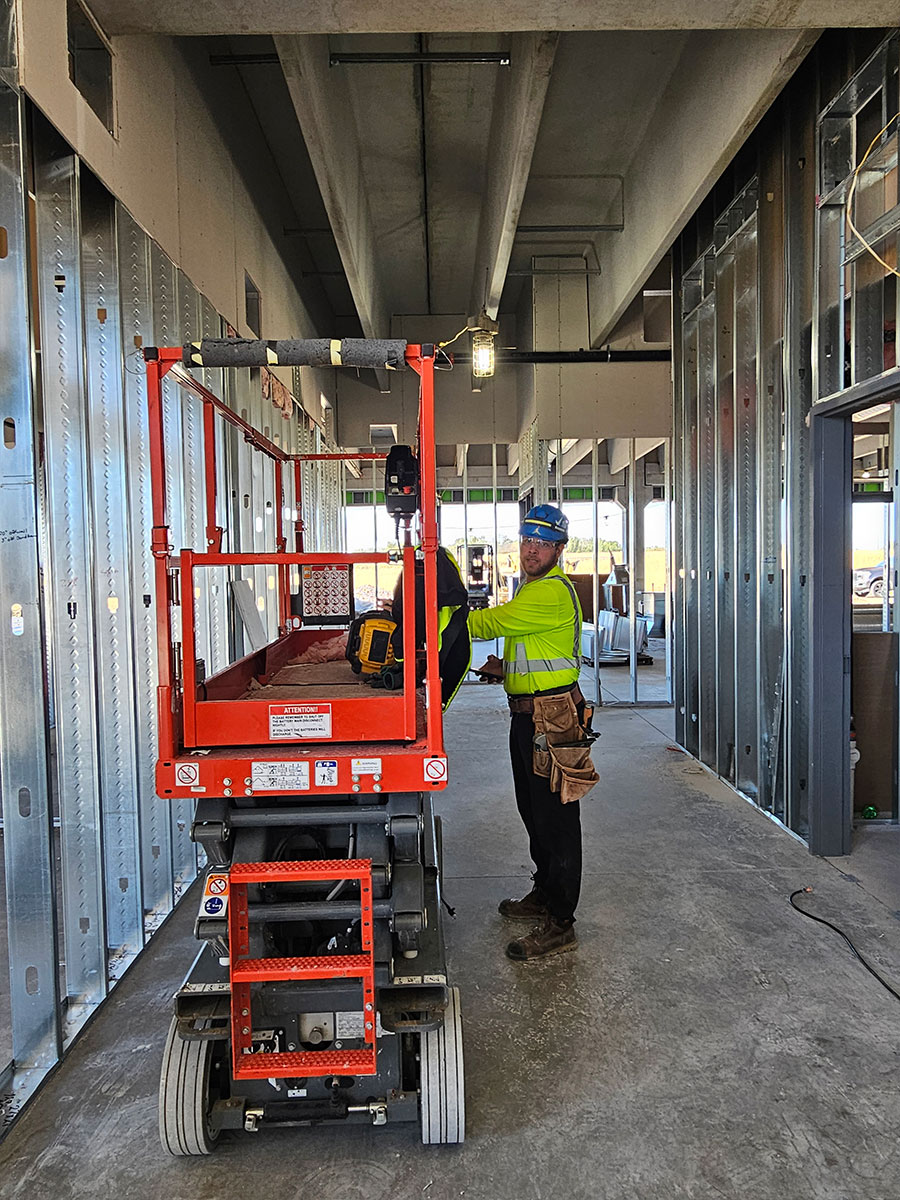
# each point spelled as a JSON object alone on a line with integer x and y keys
{"x": 551, "y": 937}
{"x": 529, "y": 908}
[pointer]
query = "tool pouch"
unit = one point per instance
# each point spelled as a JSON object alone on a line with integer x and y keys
{"x": 562, "y": 750}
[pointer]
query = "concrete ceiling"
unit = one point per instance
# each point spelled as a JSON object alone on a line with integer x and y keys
{"x": 417, "y": 188}
{"x": 427, "y": 188}
{"x": 237, "y": 17}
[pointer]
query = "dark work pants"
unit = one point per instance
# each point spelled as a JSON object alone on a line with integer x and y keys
{"x": 554, "y": 828}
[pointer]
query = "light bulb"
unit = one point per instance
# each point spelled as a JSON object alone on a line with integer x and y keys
{"x": 482, "y": 355}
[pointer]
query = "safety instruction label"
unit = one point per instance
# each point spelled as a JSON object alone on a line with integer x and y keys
{"x": 279, "y": 776}
{"x": 326, "y": 772}
{"x": 350, "y": 1025}
{"x": 365, "y": 766}
{"x": 214, "y": 902}
{"x": 187, "y": 774}
{"x": 435, "y": 770}
{"x": 305, "y": 721}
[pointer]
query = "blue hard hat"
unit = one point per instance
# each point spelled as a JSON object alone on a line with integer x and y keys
{"x": 547, "y": 522}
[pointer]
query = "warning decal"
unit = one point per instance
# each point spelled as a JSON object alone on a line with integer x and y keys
{"x": 187, "y": 774}
{"x": 326, "y": 772}
{"x": 365, "y": 766}
{"x": 435, "y": 770}
{"x": 299, "y": 722}
{"x": 214, "y": 902}
{"x": 279, "y": 776}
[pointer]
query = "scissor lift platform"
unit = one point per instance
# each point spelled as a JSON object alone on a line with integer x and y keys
{"x": 320, "y": 992}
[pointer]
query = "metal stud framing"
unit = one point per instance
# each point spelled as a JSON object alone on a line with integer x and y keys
{"x": 27, "y": 826}
{"x": 778, "y": 271}
{"x": 76, "y": 591}
{"x": 724, "y": 570}
{"x": 770, "y": 412}
{"x": 688, "y": 695}
{"x": 216, "y": 581}
{"x": 137, "y": 330}
{"x": 745, "y": 380}
{"x": 166, "y": 332}
{"x": 112, "y": 584}
{"x": 56, "y": 176}
{"x": 799, "y": 206}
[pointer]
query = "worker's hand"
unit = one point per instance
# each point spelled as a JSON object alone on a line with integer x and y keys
{"x": 490, "y": 671}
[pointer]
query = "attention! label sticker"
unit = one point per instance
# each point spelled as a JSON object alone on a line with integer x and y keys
{"x": 299, "y": 722}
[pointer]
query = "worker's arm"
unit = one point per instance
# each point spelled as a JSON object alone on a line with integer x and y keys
{"x": 542, "y": 605}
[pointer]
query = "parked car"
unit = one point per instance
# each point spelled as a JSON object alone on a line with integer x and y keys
{"x": 869, "y": 581}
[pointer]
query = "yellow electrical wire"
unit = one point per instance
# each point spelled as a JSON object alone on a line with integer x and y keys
{"x": 465, "y": 329}
{"x": 852, "y": 193}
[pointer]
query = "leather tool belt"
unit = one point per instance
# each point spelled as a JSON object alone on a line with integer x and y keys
{"x": 525, "y": 704}
{"x": 561, "y": 750}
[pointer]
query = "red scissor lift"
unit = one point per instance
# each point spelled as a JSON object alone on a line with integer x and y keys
{"x": 320, "y": 991}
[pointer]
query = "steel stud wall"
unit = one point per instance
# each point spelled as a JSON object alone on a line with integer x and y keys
{"x": 137, "y": 329}
{"x": 69, "y": 571}
{"x": 759, "y": 332}
{"x": 27, "y": 817}
{"x": 732, "y": 682}
{"x": 113, "y": 600}
{"x": 78, "y": 638}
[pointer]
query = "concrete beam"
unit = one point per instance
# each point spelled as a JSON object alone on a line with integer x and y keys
{"x": 685, "y": 149}
{"x": 329, "y": 131}
{"x": 237, "y": 17}
{"x": 518, "y": 107}
{"x": 574, "y": 455}
{"x": 620, "y": 451}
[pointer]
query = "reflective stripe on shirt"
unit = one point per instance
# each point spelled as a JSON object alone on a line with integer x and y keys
{"x": 522, "y": 665}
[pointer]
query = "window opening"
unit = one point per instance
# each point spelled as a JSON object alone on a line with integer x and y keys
{"x": 252, "y": 306}
{"x": 90, "y": 62}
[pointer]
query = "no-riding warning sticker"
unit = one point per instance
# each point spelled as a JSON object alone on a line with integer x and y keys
{"x": 214, "y": 902}
{"x": 435, "y": 770}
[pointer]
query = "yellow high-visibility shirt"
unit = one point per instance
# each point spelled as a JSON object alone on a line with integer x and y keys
{"x": 541, "y": 628}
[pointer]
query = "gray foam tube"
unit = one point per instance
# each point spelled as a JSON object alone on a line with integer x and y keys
{"x": 312, "y": 352}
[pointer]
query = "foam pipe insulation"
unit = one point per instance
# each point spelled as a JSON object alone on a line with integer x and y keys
{"x": 311, "y": 352}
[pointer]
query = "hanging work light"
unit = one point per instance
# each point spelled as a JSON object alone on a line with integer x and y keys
{"x": 483, "y": 330}
{"x": 482, "y": 354}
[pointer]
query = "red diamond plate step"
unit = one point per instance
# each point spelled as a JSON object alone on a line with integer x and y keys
{"x": 309, "y": 1062}
{"x": 246, "y": 971}
{"x": 326, "y": 869}
{"x": 334, "y": 966}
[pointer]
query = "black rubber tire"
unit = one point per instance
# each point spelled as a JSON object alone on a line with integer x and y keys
{"x": 185, "y": 1098}
{"x": 442, "y": 1093}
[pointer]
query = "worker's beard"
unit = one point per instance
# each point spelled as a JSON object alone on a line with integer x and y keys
{"x": 537, "y": 570}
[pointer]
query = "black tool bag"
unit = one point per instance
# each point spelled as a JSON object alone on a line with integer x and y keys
{"x": 456, "y": 646}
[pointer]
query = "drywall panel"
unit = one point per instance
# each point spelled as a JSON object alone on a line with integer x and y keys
{"x": 603, "y": 400}
{"x": 168, "y": 164}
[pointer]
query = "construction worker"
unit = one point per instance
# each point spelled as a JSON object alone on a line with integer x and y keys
{"x": 549, "y": 748}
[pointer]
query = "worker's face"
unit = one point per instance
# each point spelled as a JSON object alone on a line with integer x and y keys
{"x": 538, "y": 557}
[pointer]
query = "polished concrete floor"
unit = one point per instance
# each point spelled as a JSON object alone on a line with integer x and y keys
{"x": 705, "y": 1041}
